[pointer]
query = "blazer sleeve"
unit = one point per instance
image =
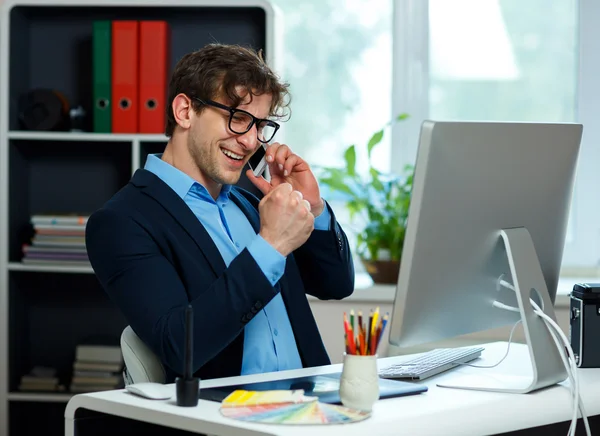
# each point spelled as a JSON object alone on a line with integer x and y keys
{"x": 146, "y": 287}
{"x": 325, "y": 263}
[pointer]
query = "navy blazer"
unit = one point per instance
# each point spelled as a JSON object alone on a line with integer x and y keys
{"x": 153, "y": 258}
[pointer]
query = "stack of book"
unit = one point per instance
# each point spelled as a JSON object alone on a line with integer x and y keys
{"x": 97, "y": 368}
{"x": 41, "y": 379}
{"x": 58, "y": 240}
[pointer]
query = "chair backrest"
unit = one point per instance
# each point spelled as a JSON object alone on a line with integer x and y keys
{"x": 141, "y": 364}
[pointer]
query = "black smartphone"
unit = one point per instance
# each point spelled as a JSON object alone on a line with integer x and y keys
{"x": 258, "y": 161}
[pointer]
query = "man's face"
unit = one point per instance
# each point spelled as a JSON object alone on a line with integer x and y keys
{"x": 219, "y": 153}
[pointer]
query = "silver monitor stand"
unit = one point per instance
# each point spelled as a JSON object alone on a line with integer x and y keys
{"x": 529, "y": 283}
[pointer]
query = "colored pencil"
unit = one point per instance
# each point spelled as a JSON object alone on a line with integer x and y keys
{"x": 364, "y": 339}
{"x": 368, "y": 332}
{"x": 383, "y": 324}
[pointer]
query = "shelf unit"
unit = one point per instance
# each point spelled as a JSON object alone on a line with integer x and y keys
{"x": 40, "y": 397}
{"x": 45, "y": 311}
{"x": 18, "y": 266}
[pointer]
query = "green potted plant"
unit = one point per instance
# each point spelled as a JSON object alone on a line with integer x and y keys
{"x": 378, "y": 207}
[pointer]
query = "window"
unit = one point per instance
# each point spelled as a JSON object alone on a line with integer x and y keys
{"x": 337, "y": 57}
{"x": 505, "y": 60}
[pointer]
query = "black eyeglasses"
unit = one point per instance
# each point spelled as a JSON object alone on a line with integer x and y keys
{"x": 241, "y": 121}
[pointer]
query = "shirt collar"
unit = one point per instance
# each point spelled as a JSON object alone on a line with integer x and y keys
{"x": 179, "y": 181}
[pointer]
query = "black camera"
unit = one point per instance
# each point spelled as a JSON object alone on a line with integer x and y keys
{"x": 585, "y": 324}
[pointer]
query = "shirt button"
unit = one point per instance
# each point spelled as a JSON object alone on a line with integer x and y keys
{"x": 275, "y": 332}
{"x": 274, "y": 278}
{"x": 237, "y": 244}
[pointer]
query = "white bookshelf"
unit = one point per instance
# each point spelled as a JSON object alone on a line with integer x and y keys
{"x": 18, "y": 266}
{"x": 84, "y": 137}
{"x": 39, "y": 398}
{"x": 38, "y": 49}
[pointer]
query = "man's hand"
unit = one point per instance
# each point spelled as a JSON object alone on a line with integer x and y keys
{"x": 285, "y": 218}
{"x": 287, "y": 167}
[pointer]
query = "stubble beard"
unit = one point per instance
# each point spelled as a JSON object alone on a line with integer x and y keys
{"x": 206, "y": 158}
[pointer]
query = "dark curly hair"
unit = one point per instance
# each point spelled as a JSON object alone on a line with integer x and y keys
{"x": 216, "y": 70}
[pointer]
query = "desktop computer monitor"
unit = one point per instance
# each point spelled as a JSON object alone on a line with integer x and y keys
{"x": 490, "y": 204}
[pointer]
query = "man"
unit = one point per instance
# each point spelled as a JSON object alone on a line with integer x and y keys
{"x": 180, "y": 233}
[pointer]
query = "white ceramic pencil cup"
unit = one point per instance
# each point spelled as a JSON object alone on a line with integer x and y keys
{"x": 359, "y": 383}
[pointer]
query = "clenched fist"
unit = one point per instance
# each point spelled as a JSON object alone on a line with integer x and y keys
{"x": 285, "y": 219}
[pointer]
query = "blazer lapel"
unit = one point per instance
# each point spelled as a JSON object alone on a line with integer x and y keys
{"x": 154, "y": 187}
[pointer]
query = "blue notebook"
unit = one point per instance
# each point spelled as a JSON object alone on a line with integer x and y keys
{"x": 325, "y": 386}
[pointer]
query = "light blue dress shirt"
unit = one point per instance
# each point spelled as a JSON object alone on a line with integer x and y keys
{"x": 269, "y": 343}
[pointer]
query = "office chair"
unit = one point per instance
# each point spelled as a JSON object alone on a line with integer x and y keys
{"x": 141, "y": 364}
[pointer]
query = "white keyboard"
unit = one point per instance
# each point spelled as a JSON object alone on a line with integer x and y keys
{"x": 431, "y": 363}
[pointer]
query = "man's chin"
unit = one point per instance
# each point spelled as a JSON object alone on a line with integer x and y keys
{"x": 230, "y": 177}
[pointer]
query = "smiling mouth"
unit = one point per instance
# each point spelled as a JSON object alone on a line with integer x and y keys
{"x": 232, "y": 155}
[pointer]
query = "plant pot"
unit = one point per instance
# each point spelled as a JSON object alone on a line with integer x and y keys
{"x": 382, "y": 271}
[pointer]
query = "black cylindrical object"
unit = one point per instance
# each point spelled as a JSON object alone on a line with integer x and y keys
{"x": 187, "y": 391}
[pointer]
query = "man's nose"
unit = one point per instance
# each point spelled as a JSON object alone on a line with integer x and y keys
{"x": 249, "y": 139}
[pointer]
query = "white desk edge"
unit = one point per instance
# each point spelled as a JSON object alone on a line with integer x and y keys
{"x": 456, "y": 412}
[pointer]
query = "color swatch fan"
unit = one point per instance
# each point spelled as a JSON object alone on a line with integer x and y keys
{"x": 286, "y": 407}
{"x": 301, "y": 413}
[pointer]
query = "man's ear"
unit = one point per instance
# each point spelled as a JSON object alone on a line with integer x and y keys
{"x": 183, "y": 110}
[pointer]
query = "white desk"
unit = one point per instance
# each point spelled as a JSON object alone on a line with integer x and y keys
{"x": 438, "y": 411}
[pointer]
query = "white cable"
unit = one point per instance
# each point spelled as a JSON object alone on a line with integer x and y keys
{"x": 574, "y": 382}
{"x": 505, "y": 307}
{"x": 571, "y": 369}
{"x": 568, "y": 361}
{"x": 505, "y": 354}
{"x": 570, "y": 366}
